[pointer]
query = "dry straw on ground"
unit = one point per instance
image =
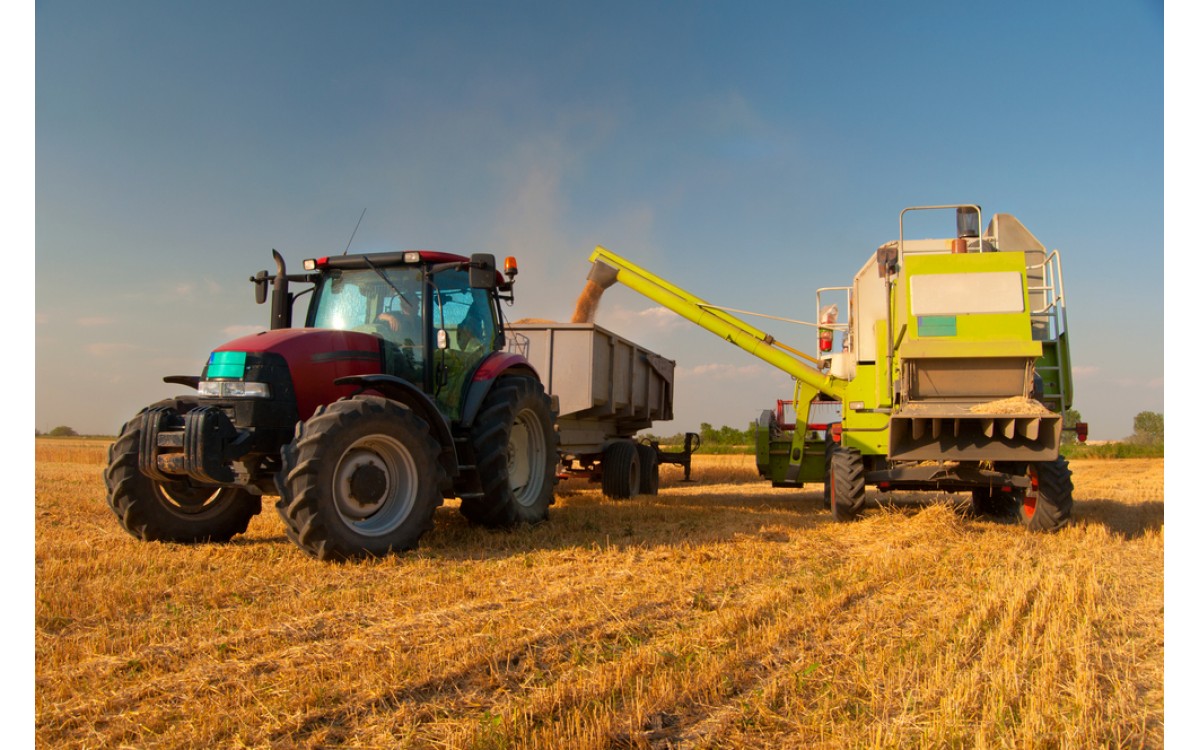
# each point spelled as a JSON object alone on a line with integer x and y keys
{"x": 721, "y": 613}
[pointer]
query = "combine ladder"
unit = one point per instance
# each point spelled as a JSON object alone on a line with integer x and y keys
{"x": 1048, "y": 315}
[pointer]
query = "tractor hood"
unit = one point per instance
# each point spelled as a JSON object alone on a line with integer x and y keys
{"x": 313, "y": 358}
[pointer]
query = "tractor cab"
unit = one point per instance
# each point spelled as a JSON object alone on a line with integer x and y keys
{"x": 435, "y": 314}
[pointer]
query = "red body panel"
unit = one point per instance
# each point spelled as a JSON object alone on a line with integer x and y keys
{"x": 315, "y": 358}
{"x": 498, "y": 362}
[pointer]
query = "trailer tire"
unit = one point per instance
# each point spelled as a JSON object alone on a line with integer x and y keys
{"x": 621, "y": 475}
{"x": 1046, "y": 506}
{"x": 516, "y": 454}
{"x": 360, "y": 479}
{"x": 648, "y": 458}
{"x": 847, "y": 484}
{"x": 182, "y": 511}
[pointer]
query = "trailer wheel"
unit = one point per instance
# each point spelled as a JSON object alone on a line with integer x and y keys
{"x": 621, "y": 474}
{"x": 361, "y": 479}
{"x": 648, "y": 458}
{"x": 1046, "y": 505}
{"x": 182, "y": 511}
{"x": 516, "y": 453}
{"x": 847, "y": 483}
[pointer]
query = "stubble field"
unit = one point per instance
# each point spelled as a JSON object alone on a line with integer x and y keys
{"x": 721, "y": 613}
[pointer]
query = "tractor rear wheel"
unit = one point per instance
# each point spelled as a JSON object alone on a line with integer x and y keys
{"x": 183, "y": 511}
{"x": 1046, "y": 505}
{"x": 621, "y": 470}
{"x": 648, "y": 458}
{"x": 361, "y": 479}
{"x": 516, "y": 453}
{"x": 847, "y": 483}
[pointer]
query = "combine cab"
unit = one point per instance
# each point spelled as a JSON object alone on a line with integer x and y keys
{"x": 953, "y": 373}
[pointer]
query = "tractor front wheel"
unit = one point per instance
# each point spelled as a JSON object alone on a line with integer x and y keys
{"x": 516, "y": 453}
{"x": 182, "y": 511}
{"x": 847, "y": 483}
{"x": 361, "y": 479}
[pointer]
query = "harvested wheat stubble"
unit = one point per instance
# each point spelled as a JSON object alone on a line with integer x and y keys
{"x": 589, "y": 301}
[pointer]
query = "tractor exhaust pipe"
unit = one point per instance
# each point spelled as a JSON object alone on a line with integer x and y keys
{"x": 281, "y": 298}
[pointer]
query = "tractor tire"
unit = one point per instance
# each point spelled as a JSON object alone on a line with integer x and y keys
{"x": 621, "y": 470}
{"x": 516, "y": 454}
{"x": 648, "y": 458}
{"x": 847, "y": 484}
{"x": 1046, "y": 506}
{"x": 182, "y": 511}
{"x": 360, "y": 479}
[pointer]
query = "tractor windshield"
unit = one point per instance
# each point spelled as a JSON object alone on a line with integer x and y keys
{"x": 386, "y": 302}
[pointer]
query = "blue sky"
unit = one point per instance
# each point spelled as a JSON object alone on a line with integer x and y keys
{"x": 748, "y": 152}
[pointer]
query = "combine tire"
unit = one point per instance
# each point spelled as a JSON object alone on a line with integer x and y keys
{"x": 648, "y": 458}
{"x": 830, "y": 445}
{"x": 182, "y": 511}
{"x": 1046, "y": 505}
{"x": 847, "y": 484}
{"x": 516, "y": 453}
{"x": 361, "y": 479}
{"x": 621, "y": 471}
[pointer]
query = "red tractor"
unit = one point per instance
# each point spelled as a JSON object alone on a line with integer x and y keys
{"x": 396, "y": 394}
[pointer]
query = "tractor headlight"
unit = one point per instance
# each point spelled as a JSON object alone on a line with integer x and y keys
{"x": 234, "y": 389}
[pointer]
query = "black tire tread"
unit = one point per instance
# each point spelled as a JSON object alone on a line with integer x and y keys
{"x": 304, "y": 505}
{"x": 133, "y": 497}
{"x": 496, "y": 506}
{"x": 848, "y": 484}
{"x": 615, "y": 468}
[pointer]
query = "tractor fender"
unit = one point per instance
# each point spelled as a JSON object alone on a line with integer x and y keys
{"x": 404, "y": 392}
{"x": 497, "y": 364}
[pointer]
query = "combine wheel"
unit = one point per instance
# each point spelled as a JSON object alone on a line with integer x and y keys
{"x": 362, "y": 478}
{"x": 621, "y": 470}
{"x": 1046, "y": 505}
{"x": 648, "y": 459}
{"x": 516, "y": 452}
{"x": 829, "y": 447}
{"x": 847, "y": 483}
{"x": 182, "y": 511}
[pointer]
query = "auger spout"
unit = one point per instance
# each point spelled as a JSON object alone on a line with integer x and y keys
{"x": 609, "y": 268}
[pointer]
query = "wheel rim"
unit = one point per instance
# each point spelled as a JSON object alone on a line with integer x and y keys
{"x": 526, "y": 457}
{"x": 375, "y": 485}
{"x": 1030, "y": 499}
{"x": 186, "y": 499}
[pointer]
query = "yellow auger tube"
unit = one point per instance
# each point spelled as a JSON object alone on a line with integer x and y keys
{"x": 608, "y": 267}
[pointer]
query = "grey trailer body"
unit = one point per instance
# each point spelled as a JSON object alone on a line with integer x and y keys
{"x": 607, "y": 388}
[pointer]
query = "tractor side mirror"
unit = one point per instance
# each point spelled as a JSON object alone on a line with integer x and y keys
{"x": 260, "y": 279}
{"x": 483, "y": 271}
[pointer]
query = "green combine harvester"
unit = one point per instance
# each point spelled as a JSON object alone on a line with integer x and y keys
{"x": 953, "y": 373}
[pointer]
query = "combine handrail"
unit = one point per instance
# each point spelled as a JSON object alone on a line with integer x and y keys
{"x": 608, "y": 268}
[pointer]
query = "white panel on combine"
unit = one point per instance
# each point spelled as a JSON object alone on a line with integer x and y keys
{"x": 966, "y": 293}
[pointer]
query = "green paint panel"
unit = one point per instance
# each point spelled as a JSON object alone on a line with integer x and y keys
{"x": 937, "y": 325}
{"x": 226, "y": 365}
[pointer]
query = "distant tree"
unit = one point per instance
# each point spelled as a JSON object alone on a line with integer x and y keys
{"x": 1148, "y": 428}
{"x": 63, "y": 431}
{"x": 1070, "y": 419}
{"x": 37, "y": 432}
